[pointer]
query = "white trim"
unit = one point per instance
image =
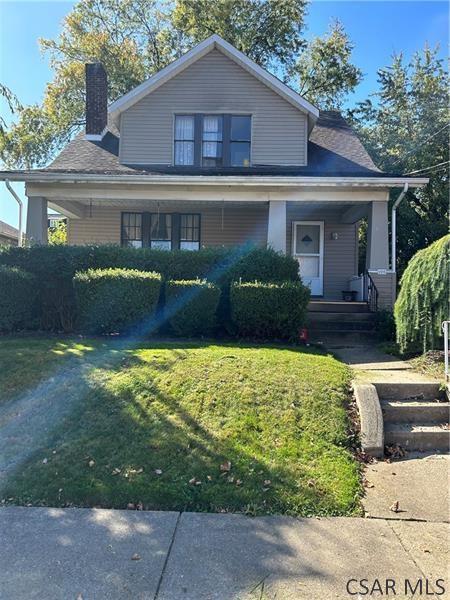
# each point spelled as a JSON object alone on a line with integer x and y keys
{"x": 320, "y": 254}
{"x": 241, "y": 180}
{"x": 211, "y": 43}
{"x": 95, "y": 137}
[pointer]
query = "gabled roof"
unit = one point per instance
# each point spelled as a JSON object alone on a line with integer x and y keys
{"x": 211, "y": 43}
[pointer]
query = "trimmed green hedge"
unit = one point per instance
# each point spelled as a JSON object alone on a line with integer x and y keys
{"x": 17, "y": 298}
{"x": 115, "y": 300}
{"x": 269, "y": 310}
{"x": 55, "y": 267}
{"x": 191, "y": 307}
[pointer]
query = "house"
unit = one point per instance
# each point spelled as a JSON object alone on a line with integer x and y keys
{"x": 214, "y": 150}
{"x": 9, "y": 235}
{"x": 54, "y": 219}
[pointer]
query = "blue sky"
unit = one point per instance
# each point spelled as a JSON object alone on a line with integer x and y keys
{"x": 377, "y": 28}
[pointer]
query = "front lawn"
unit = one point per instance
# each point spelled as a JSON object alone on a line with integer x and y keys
{"x": 186, "y": 426}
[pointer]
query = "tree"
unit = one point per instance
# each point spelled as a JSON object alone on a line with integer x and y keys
{"x": 57, "y": 235}
{"x": 405, "y": 126}
{"x": 136, "y": 38}
{"x": 326, "y": 75}
{"x": 423, "y": 301}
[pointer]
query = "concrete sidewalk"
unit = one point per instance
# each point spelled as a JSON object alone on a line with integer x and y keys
{"x": 89, "y": 554}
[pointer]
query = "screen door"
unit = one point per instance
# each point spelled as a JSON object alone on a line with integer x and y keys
{"x": 307, "y": 242}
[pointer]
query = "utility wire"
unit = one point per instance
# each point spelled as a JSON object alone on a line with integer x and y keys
{"x": 429, "y": 168}
{"x": 421, "y": 144}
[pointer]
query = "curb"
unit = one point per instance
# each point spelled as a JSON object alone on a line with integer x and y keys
{"x": 371, "y": 418}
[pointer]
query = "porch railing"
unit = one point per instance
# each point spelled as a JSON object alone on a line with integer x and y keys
{"x": 371, "y": 292}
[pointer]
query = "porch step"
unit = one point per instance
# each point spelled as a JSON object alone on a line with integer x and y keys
{"x": 337, "y": 307}
{"x": 415, "y": 412}
{"x": 412, "y": 436}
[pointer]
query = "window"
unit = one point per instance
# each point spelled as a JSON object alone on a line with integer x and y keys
{"x": 189, "y": 232}
{"x": 212, "y": 140}
{"x": 165, "y": 231}
{"x": 184, "y": 140}
{"x": 132, "y": 230}
{"x": 240, "y": 141}
{"x": 161, "y": 231}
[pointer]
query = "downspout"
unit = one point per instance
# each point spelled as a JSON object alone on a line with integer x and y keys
{"x": 394, "y": 228}
{"x": 20, "y": 203}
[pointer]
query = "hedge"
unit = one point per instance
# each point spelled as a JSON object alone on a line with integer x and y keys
{"x": 116, "y": 300}
{"x": 269, "y": 310}
{"x": 423, "y": 301}
{"x": 17, "y": 298}
{"x": 55, "y": 267}
{"x": 191, "y": 307}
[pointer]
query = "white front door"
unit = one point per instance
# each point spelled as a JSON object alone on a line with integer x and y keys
{"x": 307, "y": 248}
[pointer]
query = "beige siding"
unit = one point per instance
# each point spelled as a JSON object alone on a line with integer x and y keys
{"x": 237, "y": 224}
{"x": 214, "y": 84}
{"x": 386, "y": 286}
{"x": 340, "y": 256}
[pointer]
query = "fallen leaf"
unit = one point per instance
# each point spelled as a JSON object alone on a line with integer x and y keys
{"x": 158, "y": 471}
{"x": 116, "y": 471}
{"x": 394, "y": 507}
{"x": 91, "y": 463}
{"x": 131, "y": 506}
{"x": 267, "y": 482}
{"x": 238, "y": 482}
{"x": 140, "y": 506}
{"x": 230, "y": 479}
{"x": 198, "y": 483}
{"x": 45, "y": 461}
{"x": 209, "y": 478}
{"x": 136, "y": 557}
{"x": 225, "y": 466}
{"x": 192, "y": 481}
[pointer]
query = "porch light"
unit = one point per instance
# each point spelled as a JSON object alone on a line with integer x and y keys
{"x": 334, "y": 235}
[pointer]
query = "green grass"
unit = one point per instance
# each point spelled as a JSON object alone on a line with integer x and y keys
{"x": 144, "y": 425}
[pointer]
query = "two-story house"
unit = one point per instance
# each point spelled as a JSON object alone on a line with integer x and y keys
{"x": 214, "y": 150}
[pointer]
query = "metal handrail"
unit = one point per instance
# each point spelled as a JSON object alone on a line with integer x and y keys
{"x": 445, "y": 325}
{"x": 371, "y": 292}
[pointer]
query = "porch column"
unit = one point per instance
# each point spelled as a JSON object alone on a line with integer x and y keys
{"x": 276, "y": 227}
{"x": 37, "y": 220}
{"x": 377, "y": 256}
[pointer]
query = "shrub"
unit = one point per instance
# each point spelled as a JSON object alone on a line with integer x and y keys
{"x": 191, "y": 307}
{"x": 115, "y": 300}
{"x": 423, "y": 301}
{"x": 385, "y": 325}
{"x": 269, "y": 310}
{"x": 55, "y": 267}
{"x": 17, "y": 298}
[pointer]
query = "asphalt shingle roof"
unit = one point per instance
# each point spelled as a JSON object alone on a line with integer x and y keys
{"x": 334, "y": 149}
{"x": 7, "y": 230}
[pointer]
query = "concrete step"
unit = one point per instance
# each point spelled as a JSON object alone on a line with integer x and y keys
{"x": 337, "y": 339}
{"x": 415, "y": 412}
{"x": 339, "y": 317}
{"x": 348, "y": 327}
{"x": 419, "y": 391}
{"x": 413, "y": 436}
{"x": 340, "y": 307}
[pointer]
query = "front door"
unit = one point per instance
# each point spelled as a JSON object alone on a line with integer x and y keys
{"x": 307, "y": 248}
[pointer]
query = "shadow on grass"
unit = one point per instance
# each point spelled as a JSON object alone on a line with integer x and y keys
{"x": 138, "y": 427}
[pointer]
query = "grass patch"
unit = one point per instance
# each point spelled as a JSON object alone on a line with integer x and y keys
{"x": 153, "y": 424}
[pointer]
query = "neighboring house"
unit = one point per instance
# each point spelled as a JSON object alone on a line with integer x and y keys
{"x": 9, "y": 235}
{"x": 214, "y": 150}
{"x": 54, "y": 219}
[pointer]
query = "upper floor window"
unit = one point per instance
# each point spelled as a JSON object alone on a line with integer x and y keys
{"x": 212, "y": 140}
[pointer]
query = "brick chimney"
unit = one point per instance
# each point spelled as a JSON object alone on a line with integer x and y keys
{"x": 96, "y": 101}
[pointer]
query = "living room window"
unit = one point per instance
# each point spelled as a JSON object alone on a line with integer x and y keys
{"x": 209, "y": 140}
{"x": 165, "y": 231}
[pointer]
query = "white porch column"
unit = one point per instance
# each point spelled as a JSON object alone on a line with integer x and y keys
{"x": 276, "y": 228}
{"x": 377, "y": 256}
{"x": 37, "y": 220}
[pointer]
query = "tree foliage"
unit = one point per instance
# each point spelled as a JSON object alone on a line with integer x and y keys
{"x": 405, "y": 127}
{"x": 423, "y": 301}
{"x": 325, "y": 71}
{"x": 57, "y": 235}
{"x": 136, "y": 38}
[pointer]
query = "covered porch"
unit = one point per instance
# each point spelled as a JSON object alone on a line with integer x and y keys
{"x": 317, "y": 225}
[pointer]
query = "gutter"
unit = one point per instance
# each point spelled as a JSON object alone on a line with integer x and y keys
{"x": 20, "y": 203}
{"x": 241, "y": 180}
{"x": 394, "y": 227}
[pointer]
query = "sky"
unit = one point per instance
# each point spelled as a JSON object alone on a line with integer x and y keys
{"x": 378, "y": 29}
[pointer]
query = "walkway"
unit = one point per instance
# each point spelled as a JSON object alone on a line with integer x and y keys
{"x": 84, "y": 554}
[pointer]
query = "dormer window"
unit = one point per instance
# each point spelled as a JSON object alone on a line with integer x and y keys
{"x": 212, "y": 140}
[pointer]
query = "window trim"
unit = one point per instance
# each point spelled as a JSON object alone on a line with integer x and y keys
{"x": 175, "y": 140}
{"x": 146, "y": 228}
{"x": 198, "y": 138}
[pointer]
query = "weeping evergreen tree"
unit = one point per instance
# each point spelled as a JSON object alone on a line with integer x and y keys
{"x": 423, "y": 301}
